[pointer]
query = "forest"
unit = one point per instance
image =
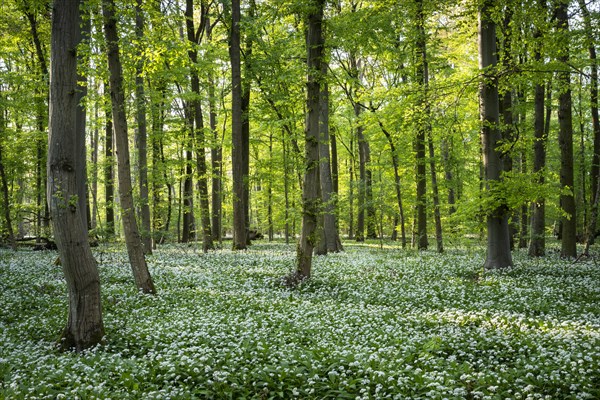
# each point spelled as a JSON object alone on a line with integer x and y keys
{"x": 299, "y": 199}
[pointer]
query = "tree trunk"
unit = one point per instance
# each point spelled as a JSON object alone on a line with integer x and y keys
{"x": 286, "y": 190}
{"x": 95, "y": 144}
{"x": 422, "y": 131}
{"x": 310, "y": 193}
{"x": 397, "y": 184}
{"x": 537, "y": 244}
{"x": 506, "y": 112}
{"x": 142, "y": 139}
{"x": 565, "y": 142}
{"x": 187, "y": 198}
{"x": 448, "y": 167}
{"x": 246, "y": 128}
{"x": 80, "y": 120}
{"x": 198, "y": 122}
{"x": 237, "y": 151}
{"x": 109, "y": 190}
{"x": 133, "y": 241}
{"x": 84, "y": 327}
{"x": 158, "y": 225}
{"x": 498, "y": 241}
{"x": 216, "y": 154}
{"x": 4, "y": 182}
{"x": 436, "y": 198}
{"x": 332, "y": 237}
{"x": 595, "y": 171}
{"x": 41, "y": 119}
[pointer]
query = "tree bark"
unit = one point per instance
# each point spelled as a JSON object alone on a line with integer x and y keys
{"x": 193, "y": 37}
{"x": 330, "y": 230}
{"x": 439, "y": 239}
{"x": 565, "y": 142}
{"x": 397, "y": 183}
{"x": 4, "y": 182}
{"x": 310, "y": 193}
{"x": 498, "y": 241}
{"x": 422, "y": 131}
{"x": 133, "y": 241}
{"x": 142, "y": 138}
{"x": 595, "y": 170}
{"x": 246, "y": 92}
{"x": 216, "y": 154}
{"x": 109, "y": 190}
{"x": 41, "y": 120}
{"x": 84, "y": 327}
{"x": 237, "y": 151}
{"x": 537, "y": 244}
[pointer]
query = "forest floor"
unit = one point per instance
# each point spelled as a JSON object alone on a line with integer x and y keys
{"x": 371, "y": 323}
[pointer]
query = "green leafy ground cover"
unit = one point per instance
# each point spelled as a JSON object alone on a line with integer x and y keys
{"x": 371, "y": 323}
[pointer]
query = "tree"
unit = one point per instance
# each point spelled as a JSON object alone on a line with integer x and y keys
{"x": 4, "y": 182}
{"x": 537, "y": 244}
{"x": 84, "y": 327}
{"x": 422, "y": 131}
{"x": 108, "y": 167}
{"x": 330, "y": 229}
{"x": 565, "y": 139}
{"x": 133, "y": 241}
{"x": 197, "y": 120}
{"x": 310, "y": 192}
{"x": 142, "y": 133}
{"x": 498, "y": 241}
{"x": 595, "y": 170}
{"x": 237, "y": 154}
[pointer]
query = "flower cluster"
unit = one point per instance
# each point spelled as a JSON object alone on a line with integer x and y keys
{"x": 370, "y": 323}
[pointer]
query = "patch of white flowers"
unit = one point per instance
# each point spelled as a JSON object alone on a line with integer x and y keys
{"x": 370, "y": 324}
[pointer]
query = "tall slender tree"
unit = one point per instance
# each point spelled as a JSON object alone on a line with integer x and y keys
{"x": 565, "y": 138}
{"x": 194, "y": 36}
{"x": 537, "y": 244}
{"x": 333, "y": 242}
{"x": 498, "y": 241}
{"x": 142, "y": 133}
{"x": 310, "y": 192}
{"x": 135, "y": 250}
{"x": 595, "y": 170}
{"x": 84, "y": 327}
{"x": 422, "y": 130}
{"x": 237, "y": 151}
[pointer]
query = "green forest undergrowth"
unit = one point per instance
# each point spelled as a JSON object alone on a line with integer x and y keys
{"x": 370, "y": 323}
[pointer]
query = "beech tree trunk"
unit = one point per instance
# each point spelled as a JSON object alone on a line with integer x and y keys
{"x": 565, "y": 142}
{"x": 246, "y": 92}
{"x": 422, "y": 131}
{"x": 498, "y": 241}
{"x": 310, "y": 192}
{"x": 595, "y": 170}
{"x": 4, "y": 182}
{"x": 142, "y": 138}
{"x": 159, "y": 227}
{"x": 41, "y": 119}
{"x": 216, "y": 154}
{"x": 332, "y": 237}
{"x": 84, "y": 327}
{"x": 193, "y": 37}
{"x": 133, "y": 241}
{"x": 237, "y": 151}
{"x": 109, "y": 175}
{"x": 397, "y": 183}
{"x": 439, "y": 239}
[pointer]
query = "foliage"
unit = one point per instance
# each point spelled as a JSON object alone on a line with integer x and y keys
{"x": 372, "y": 323}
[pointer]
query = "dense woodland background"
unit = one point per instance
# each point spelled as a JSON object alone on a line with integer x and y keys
{"x": 402, "y": 86}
